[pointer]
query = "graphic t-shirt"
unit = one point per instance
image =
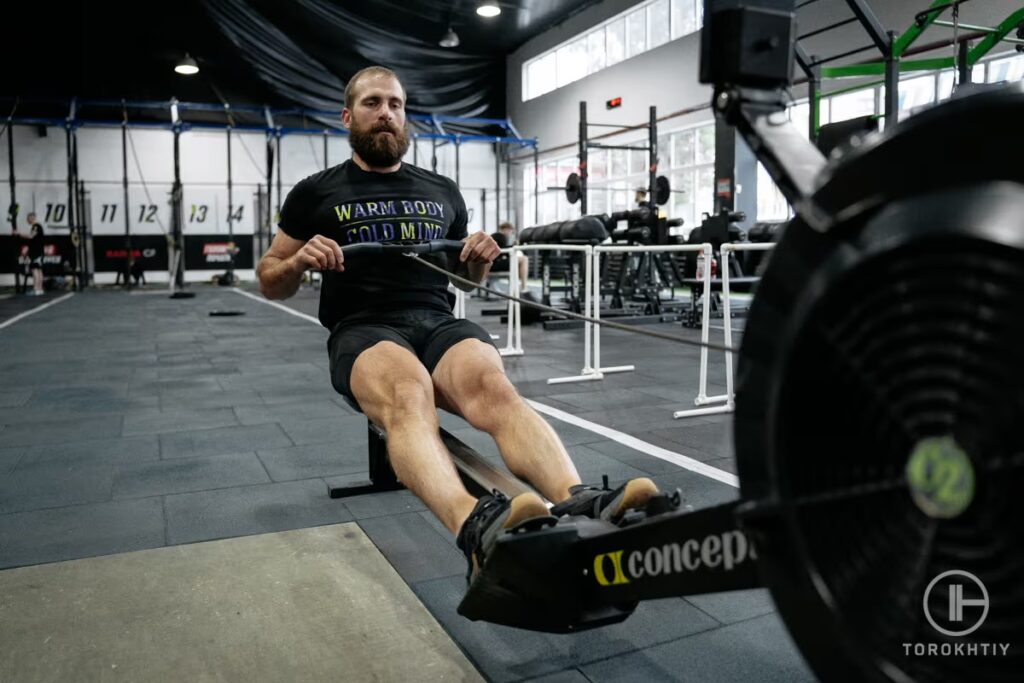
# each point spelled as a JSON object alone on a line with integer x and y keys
{"x": 350, "y": 205}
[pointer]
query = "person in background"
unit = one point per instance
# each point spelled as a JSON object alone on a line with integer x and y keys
{"x": 35, "y": 240}
{"x": 506, "y": 237}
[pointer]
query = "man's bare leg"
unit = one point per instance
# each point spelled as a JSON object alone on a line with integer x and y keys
{"x": 394, "y": 390}
{"x": 470, "y": 380}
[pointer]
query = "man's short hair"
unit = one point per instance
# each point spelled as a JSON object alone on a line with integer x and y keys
{"x": 506, "y": 226}
{"x": 350, "y": 87}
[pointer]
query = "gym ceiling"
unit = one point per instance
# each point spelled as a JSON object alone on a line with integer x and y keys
{"x": 299, "y": 52}
{"x": 277, "y": 52}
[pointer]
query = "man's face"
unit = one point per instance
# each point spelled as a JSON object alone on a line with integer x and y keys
{"x": 376, "y": 122}
{"x": 31, "y": 218}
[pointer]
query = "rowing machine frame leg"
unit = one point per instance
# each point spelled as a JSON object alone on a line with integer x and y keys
{"x": 382, "y": 476}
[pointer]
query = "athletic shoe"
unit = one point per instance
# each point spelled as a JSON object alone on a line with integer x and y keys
{"x": 493, "y": 516}
{"x": 602, "y": 503}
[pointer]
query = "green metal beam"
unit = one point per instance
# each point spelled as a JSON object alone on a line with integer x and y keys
{"x": 878, "y": 68}
{"x": 989, "y": 42}
{"x": 914, "y": 32}
{"x": 935, "y": 64}
{"x": 853, "y": 70}
{"x": 976, "y": 54}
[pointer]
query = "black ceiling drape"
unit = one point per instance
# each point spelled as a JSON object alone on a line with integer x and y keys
{"x": 305, "y": 51}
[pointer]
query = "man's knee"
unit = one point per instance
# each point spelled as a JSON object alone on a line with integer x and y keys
{"x": 490, "y": 399}
{"x": 391, "y": 386}
{"x": 400, "y": 401}
{"x": 409, "y": 398}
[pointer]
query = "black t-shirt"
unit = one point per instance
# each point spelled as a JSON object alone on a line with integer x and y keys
{"x": 350, "y": 205}
{"x": 36, "y": 245}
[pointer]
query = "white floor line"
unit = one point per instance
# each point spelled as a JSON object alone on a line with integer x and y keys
{"x": 625, "y": 439}
{"x": 35, "y": 310}
{"x": 639, "y": 445}
{"x": 276, "y": 305}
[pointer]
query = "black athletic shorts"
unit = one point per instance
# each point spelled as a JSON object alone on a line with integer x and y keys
{"x": 427, "y": 333}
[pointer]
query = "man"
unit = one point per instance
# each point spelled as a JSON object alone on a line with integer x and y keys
{"x": 505, "y": 238}
{"x": 396, "y": 348}
{"x": 36, "y": 248}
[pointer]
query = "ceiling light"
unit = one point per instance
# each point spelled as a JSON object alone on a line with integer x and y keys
{"x": 187, "y": 66}
{"x": 451, "y": 39}
{"x": 488, "y": 9}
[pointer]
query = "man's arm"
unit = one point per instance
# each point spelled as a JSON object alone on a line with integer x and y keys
{"x": 480, "y": 251}
{"x": 281, "y": 268}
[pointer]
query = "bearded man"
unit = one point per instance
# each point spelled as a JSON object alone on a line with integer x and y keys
{"x": 395, "y": 347}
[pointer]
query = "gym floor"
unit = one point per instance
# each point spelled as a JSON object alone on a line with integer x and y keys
{"x": 141, "y": 437}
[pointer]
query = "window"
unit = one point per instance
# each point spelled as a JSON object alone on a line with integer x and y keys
{"x": 597, "y": 164}
{"x": 692, "y": 175}
{"x": 681, "y": 205}
{"x": 706, "y": 145}
{"x": 916, "y": 94}
{"x": 1010, "y": 69}
{"x": 684, "y": 17}
{"x": 664, "y": 151}
{"x": 631, "y": 33}
{"x": 619, "y": 166}
{"x": 549, "y": 207}
{"x": 595, "y": 51}
{"x": 683, "y": 148}
{"x": 565, "y": 168}
{"x": 705, "y": 200}
{"x": 636, "y": 33}
{"x": 616, "y": 34}
{"x": 657, "y": 24}
{"x": 541, "y": 76}
{"x": 572, "y": 62}
{"x": 621, "y": 201}
{"x": 771, "y": 205}
{"x": 638, "y": 158}
{"x": 529, "y": 217}
{"x": 549, "y": 177}
{"x": 687, "y": 160}
{"x": 946, "y": 80}
{"x": 824, "y": 111}
{"x": 552, "y": 205}
{"x": 852, "y": 105}
{"x": 800, "y": 116}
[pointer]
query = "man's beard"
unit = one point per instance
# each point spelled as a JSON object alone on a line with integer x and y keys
{"x": 375, "y": 147}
